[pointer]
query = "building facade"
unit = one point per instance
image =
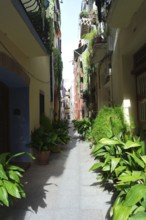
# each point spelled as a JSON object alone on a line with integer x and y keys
{"x": 117, "y": 53}
{"x": 26, "y": 70}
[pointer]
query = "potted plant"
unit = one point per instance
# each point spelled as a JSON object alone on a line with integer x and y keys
{"x": 61, "y": 129}
{"x": 39, "y": 145}
{"x": 43, "y": 143}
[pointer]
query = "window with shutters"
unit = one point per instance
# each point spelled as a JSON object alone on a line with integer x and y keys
{"x": 139, "y": 70}
{"x": 42, "y": 103}
{"x": 141, "y": 94}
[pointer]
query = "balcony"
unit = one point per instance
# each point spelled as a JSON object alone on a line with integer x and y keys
{"x": 99, "y": 49}
{"x": 37, "y": 13}
{"x": 19, "y": 28}
{"x": 93, "y": 16}
{"x": 85, "y": 26}
{"x": 121, "y": 12}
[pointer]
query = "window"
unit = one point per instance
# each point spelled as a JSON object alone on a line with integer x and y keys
{"x": 42, "y": 103}
{"x": 139, "y": 70}
{"x": 141, "y": 93}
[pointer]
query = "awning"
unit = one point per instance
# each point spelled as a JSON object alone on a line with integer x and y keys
{"x": 79, "y": 51}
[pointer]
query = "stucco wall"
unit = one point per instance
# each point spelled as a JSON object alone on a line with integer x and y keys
{"x": 117, "y": 76}
{"x": 38, "y": 69}
{"x": 129, "y": 40}
{"x": 40, "y": 82}
{"x": 129, "y": 85}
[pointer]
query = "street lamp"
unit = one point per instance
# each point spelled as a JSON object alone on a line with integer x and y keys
{"x": 61, "y": 1}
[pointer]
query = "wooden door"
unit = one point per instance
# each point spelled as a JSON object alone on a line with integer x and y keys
{"x": 3, "y": 118}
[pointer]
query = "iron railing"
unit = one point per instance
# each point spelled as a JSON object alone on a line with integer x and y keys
{"x": 31, "y": 5}
{"x": 42, "y": 25}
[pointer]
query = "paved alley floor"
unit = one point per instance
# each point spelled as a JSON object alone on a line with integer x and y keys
{"x": 62, "y": 190}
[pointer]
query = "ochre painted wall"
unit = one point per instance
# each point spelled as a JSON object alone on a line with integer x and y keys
{"x": 40, "y": 82}
{"x": 38, "y": 70}
{"x": 129, "y": 40}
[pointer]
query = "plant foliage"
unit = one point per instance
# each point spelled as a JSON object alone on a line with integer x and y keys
{"x": 109, "y": 121}
{"x": 84, "y": 127}
{"x": 46, "y": 33}
{"x": 10, "y": 184}
{"x": 122, "y": 162}
{"x": 58, "y": 66}
{"x": 84, "y": 14}
{"x": 49, "y": 135}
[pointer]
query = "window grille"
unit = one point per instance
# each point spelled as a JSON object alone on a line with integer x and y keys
{"x": 141, "y": 92}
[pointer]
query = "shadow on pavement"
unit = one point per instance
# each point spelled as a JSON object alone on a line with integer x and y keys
{"x": 41, "y": 179}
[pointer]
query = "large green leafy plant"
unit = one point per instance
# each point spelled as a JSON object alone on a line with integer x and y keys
{"x": 84, "y": 127}
{"x": 41, "y": 140}
{"x": 117, "y": 155}
{"x": 49, "y": 135}
{"x": 122, "y": 162}
{"x": 109, "y": 121}
{"x": 61, "y": 129}
{"x": 10, "y": 184}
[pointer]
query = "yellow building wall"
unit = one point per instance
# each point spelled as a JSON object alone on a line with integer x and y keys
{"x": 38, "y": 69}
{"x": 128, "y": 41}
{"x": 123, "y": 81}
{"x": 40, "y": 82}
{"x": 117, "y": 75}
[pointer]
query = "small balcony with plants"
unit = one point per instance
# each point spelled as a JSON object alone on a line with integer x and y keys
{"x": 99, "y": 43}
{"x": 36, "y": 11}
{"x": 99, "y": 49}
{"x": 85, "y": 22}
{"x": 21, "y": 30}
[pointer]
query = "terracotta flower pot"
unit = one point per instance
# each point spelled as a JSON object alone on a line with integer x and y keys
{"x": 42, "y": 157}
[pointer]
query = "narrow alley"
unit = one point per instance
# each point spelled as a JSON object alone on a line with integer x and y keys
{"x": 62, "y": 190}
{"x": 65, "y": 63}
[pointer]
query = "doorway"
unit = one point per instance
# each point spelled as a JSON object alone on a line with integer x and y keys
{"x": 4, "y": 122}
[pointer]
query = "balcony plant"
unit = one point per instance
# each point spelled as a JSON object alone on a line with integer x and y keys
{"x": 84, "y": 14}
{"x": 46, "y": 31}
